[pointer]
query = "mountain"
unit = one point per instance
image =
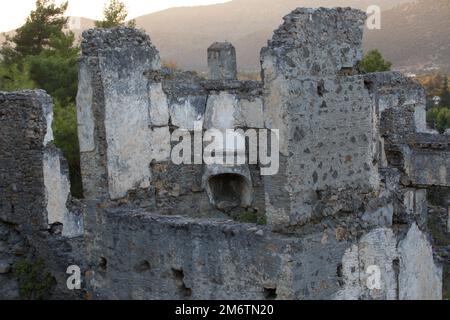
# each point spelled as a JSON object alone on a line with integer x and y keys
{"x": 414, "y": 33}
{"x": 183, "y": 34}
{"x": 415, "y": 36}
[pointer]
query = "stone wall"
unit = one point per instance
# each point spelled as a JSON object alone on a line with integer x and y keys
{"x": 348, "y": 203}
{"x": 339, "y": 205}
{"x": 222, "y": 61}
{"x": 327, "y": 119}
{"x": 36, "y": 221}
{"x": 127, "y": 120}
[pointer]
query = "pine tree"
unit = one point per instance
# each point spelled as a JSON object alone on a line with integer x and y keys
{"x": 373, "y": 61}
{"x": 114, "y": 15}
{"x": 41, "y": 55}
{"x": 44, "y": 23}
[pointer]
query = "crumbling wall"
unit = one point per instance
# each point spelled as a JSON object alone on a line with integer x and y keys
{"x": 418, "y": 157}
{"x": 325, "y": 114}
{"x": 121, "y": 147}
{"x": 222, "y": 61}
{"x": 127, "y": 116}
{"x": 344, "y": 218}
{"x": 337, "y": 208}
{"x": 36, "y": 222}
{"x": 184, "y": 258}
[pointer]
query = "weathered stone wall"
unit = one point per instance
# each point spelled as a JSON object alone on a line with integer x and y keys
{"x": 356, "y": 161}
{"x": 323, "y": 110}
{"x": 337, "y": 207}
{"x": 117, "y": 139}
{"x": 222, "y": 61}
{"x": 179, "y": 258}
{"x": 127, "y": 119}
{"x": 36, "y": 221}
{"x": 417, "y": 156}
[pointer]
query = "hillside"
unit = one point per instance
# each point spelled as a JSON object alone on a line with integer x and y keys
{"x": 414, "y": 34}
{"x": 183, "y": 34}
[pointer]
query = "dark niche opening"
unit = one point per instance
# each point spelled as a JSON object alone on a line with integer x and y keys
{"x": 270, "y": 293}
{"x": 179, "y": 280}
{"x": 229, "y": 191}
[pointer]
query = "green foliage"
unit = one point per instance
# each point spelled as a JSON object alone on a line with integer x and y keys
{"x": 45, "y": 22}
{"x": 373, "y": 61}
{"x": 252, "y": 217}
{"x": 439, "y": 119}
{"x": 15, "y": 77}
{"x": 34, "y": 282}
{"x": 445, "y": 94}
{"x": 55, "y": 70}
{"x": 66, "y": 139}
{"x": 114, "y": 15}
{"x": 49, "y": 62}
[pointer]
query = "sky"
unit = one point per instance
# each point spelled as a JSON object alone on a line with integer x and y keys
{"x": 14, "y": 12}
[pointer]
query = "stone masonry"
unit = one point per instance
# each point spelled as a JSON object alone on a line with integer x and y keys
{"x": 222, "y": 61}
{"x": 348, "y": 203}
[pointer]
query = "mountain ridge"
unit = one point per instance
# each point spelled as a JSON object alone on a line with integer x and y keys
{"x": 414, "y": 34}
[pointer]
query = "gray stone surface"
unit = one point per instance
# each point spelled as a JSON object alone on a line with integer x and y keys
{"x": 85, "y": 116}
{"x": 448, "y": 219}
{"x": 159, "y": 108}
{"x": 324, "y": 112}
{"x": 5, "y": 267}
{"x": 34, "y": 195}
{"x": 419, "y": 278}
{"x": 57, "y": 187}
{"x": 185, "y": 111}
{"x": 222, "y": 61}
{"x": 356, "y": 165}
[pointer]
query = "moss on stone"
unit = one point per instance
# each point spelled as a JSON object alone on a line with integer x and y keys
{"x": 35, "y": 283}
{"x": 252, "y": 217}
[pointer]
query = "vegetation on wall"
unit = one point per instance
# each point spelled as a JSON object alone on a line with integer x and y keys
{"x": 34, "y": 282}
{"x": 252, "y": 217}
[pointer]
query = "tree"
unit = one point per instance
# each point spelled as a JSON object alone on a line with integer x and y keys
{"x": 439, "y": 119}
{"x": 373, "y": 61}
{"x": 445, "y": 95}
{"x": 114, "y": 15}
{"x": 13, "y": 78}
{"x": 65, "y": 129}
{"x": 42, "y": 55}
{"x": 43, "y": 23}
{"x": 55, "y": 69}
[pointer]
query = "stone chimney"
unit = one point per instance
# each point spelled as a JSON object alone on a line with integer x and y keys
{"x": 222, "y": 61}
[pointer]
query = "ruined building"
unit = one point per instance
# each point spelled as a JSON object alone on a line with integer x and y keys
{"x": 349, "y": 198}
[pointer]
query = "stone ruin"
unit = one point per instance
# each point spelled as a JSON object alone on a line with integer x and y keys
{"x": 356, "y": 160}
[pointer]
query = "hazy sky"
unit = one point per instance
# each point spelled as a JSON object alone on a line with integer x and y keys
{"x": 14, "y": 12}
